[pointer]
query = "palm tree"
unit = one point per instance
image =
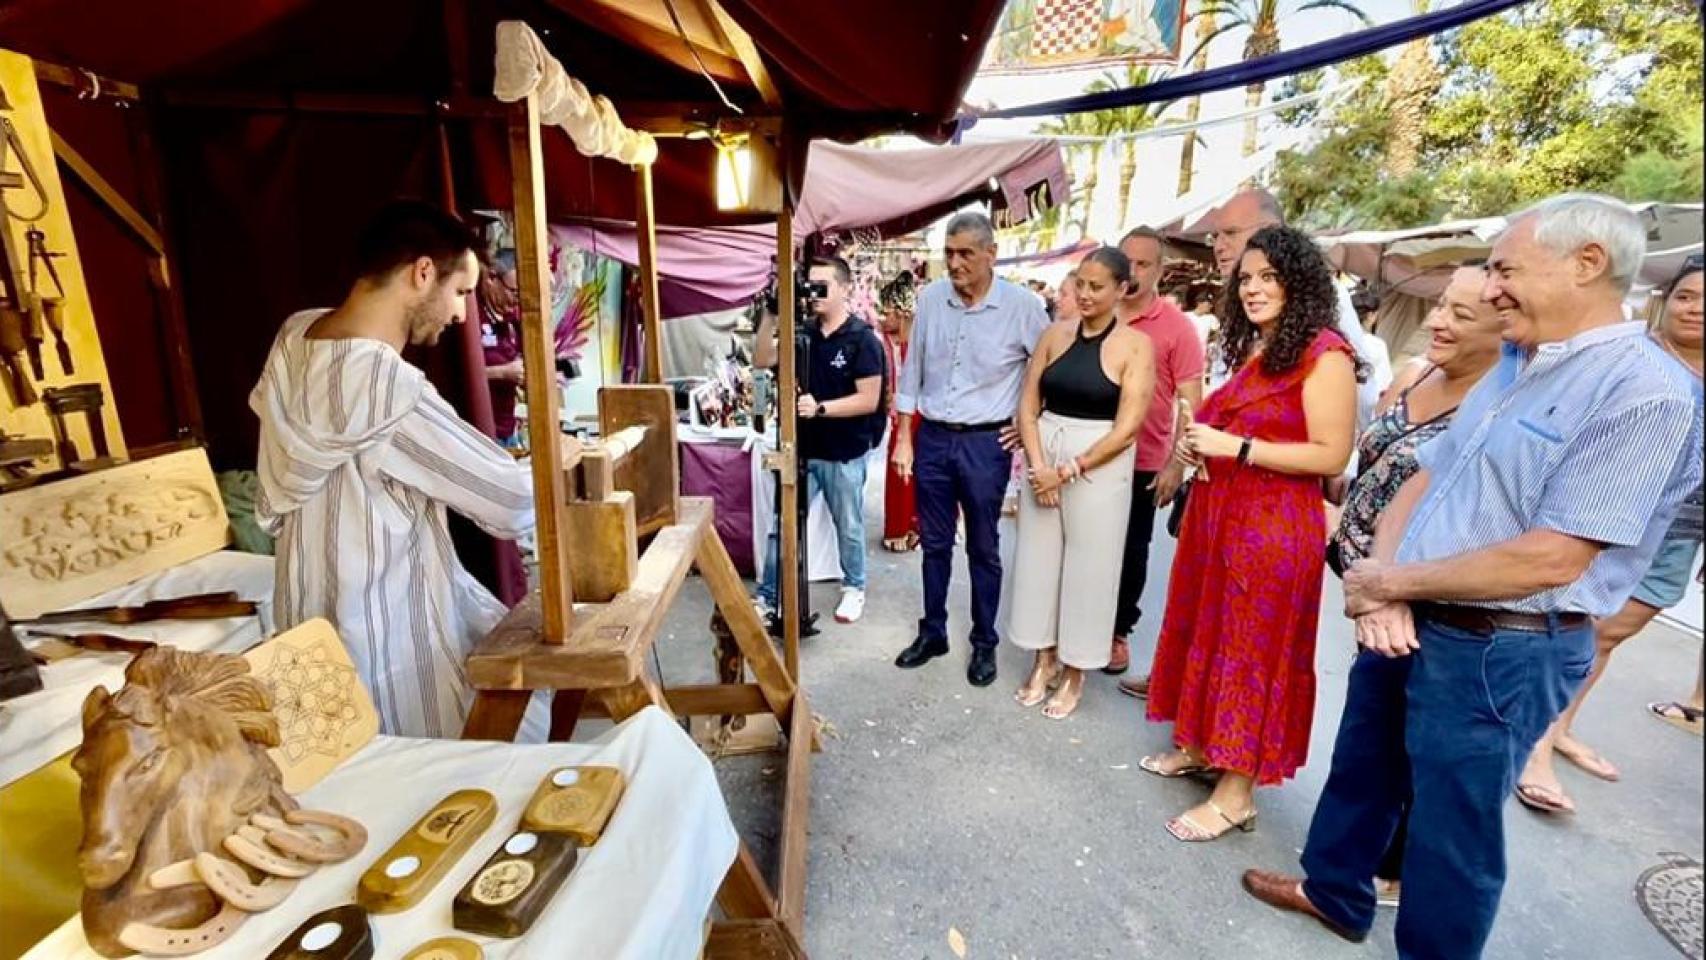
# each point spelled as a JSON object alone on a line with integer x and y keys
{"x": 1410, "y": 87}
{"x": 1261, "y": 18}
{"x": 1094, "y": 128}
{"x": 1193, "y": 112}
{"x": 1122, "y": 121}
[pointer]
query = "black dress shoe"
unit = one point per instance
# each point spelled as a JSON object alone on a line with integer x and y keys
{"x": 980, "y": 671}
{"x": 920, "y": 653}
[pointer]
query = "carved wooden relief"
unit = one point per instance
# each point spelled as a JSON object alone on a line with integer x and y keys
{"x": 324, "y": 712}
{"x": 65, "y": 542}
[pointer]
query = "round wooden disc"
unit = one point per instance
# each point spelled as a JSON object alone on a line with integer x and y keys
{"x": 446, "y": 948}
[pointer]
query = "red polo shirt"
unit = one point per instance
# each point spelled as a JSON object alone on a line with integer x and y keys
{"x": 1178, "y": 359}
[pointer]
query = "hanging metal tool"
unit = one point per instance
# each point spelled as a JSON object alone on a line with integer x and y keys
{"x": 47, "y": 311}
{"x": 16, "y": 307}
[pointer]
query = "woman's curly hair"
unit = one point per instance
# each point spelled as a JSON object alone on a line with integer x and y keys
{"x": 1311, "y": 303}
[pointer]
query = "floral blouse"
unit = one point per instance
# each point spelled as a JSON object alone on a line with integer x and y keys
{"x": 1387, "y": 453}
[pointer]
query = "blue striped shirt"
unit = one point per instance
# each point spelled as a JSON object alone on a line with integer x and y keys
{"x": 967, "y": 365}
{"x": 1595, "y": 437}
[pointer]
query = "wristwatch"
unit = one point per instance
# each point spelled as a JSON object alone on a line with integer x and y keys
{"x": 818, "y": 412}
{"x": 1244, "y": 450}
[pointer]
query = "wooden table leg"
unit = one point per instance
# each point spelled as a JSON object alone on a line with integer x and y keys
{"x": 565, "y": 713}
{"x": 496, "y": 715}
{"x": 744, "y": 894}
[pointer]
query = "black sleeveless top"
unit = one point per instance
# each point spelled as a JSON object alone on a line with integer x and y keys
{"x": 1074, "y": 385}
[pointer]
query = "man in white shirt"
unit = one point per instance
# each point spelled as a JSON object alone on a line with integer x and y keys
{"x": 360, "y": 456}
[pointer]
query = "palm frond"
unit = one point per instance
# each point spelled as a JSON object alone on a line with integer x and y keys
{"x": 1219, "y": 31}
{"x": 1345, "y": 5}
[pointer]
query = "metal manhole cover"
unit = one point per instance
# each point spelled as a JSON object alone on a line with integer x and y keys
{"x": 1670, "y": 895}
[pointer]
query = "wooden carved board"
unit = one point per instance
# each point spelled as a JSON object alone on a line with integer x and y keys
{"x": 62, "y": 543}
{"x": 324, "y": 712}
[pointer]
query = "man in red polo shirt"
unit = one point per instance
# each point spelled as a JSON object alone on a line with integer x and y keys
{"x": 1178, "y": 373}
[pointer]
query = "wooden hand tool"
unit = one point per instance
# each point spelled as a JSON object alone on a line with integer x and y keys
{"x": 421, "y": 857}
{"x": 12, "y": 346}
{"x": 577, "y": 801}
{"x": 63, "y": 646}
{"x": 515, "y": 885}
{"x": 447, "y": 948}
{"x": 201, "y": 606}
{"x": 340, "y": 933}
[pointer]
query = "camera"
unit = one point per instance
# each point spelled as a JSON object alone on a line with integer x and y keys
{"x": 805, "y": 292}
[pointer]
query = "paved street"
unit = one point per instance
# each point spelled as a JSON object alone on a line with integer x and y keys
{"x": 937, "y": 806}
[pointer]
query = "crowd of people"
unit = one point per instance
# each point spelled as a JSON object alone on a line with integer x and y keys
{"x": 1504, "y": 511}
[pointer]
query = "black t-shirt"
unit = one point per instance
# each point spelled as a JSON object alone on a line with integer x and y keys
{"x": 838, "y": 362}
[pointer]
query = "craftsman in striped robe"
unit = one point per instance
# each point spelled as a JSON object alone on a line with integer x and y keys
{"x": 359, "y": 458}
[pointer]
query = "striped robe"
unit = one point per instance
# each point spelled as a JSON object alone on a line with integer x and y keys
{"x": 359, "y": 457}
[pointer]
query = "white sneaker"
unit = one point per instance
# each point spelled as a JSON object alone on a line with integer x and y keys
{"x": 765, "y": 612}
{"x": 851, "y": 607}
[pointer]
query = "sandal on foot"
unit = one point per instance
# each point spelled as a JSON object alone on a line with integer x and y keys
{"x": 1186, "y": 830}
{"x": 1029, "y": 700}
{"x": 1153, "y": 765}
{"x": 1544, "y": 799}
{"x": 1679, "y": 715}
{"x": 1053, "y": 709}
{"x": 1589, "y": 760}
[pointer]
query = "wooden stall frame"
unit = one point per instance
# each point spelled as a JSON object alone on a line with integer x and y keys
{"x": 594, "y": 656}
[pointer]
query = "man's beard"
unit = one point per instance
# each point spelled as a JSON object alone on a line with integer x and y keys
{"x": 424, "y": 327}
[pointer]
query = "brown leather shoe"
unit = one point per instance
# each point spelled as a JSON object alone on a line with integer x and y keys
{"x": 1136, "y": 687}
{"x": 1119, "y": 661}
{"x": 1286, "y": 893}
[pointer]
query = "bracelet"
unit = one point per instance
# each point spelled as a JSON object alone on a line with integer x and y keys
{"x": 1244, "y": 450}
{"x": 1078, "y": 465}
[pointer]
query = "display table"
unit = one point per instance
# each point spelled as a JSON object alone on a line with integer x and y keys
{"x": 728, "y": 467}
{"x": 40, "y": 726}
{"x": 643, "y": 893}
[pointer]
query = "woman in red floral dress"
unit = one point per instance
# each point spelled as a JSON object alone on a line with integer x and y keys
{"x": 900, "y": 511}
{"x": 1235, "y": 664}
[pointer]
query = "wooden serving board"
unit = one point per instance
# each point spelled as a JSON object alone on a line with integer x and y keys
{"x": 324, "y": 712}
{"x": 64, "y": 542}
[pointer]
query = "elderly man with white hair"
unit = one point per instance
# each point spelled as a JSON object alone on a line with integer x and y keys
{"x": 1537, "y": 511}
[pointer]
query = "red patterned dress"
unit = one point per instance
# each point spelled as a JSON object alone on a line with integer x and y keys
{"x": 1235, "y": 664}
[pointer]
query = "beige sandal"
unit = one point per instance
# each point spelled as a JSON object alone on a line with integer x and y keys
{"x": 1186, "y": 830}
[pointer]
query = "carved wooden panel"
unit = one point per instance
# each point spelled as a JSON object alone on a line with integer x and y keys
{"x": 64, "y": 542}
{"x": 324, "y": 712}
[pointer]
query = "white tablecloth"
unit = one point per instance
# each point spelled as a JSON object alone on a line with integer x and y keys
{"x": 38, "y": 727}
{"x": 642, "y": 893}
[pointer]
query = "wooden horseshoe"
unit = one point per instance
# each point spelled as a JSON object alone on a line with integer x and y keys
{"x": 306, "y": 838}
{"x": 230, "y": 883}
{"x": 255, "y": 855}
{"x": 180, "y": 874}
{"x": 166, "y": 942}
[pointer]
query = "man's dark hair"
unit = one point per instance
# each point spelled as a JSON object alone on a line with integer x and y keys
{"x": 403, "y": 231}
{"x": 1144, "y": 233}
{"x": 843, "y": 273}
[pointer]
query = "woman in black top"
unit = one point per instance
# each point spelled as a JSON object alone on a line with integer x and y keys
{"x": 1086, "y": 389}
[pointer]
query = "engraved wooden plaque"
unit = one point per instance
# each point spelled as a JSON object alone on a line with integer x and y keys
{"x": 64, "y": 542}
{"x": 324, "y": 712}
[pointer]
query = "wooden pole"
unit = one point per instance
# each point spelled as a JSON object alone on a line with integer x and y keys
{"x": 651, "y": 322}
{"x": 544, "y": 435}
{"x": 787, "y": 437}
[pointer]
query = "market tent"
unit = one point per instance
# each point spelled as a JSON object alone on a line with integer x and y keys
{"x": 280, "y": 124}
{"x": 847, "y": 188}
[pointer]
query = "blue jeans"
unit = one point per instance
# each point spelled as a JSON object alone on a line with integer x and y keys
{"x": 843, "y": 487}
{"x": 960, "y": 473}
{"x": 1449, "y": 729}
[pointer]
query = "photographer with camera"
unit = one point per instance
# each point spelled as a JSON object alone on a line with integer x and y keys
{"x": 839, "y": 423}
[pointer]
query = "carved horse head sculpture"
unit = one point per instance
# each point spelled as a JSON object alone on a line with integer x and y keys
{"x": 171, "y": 765}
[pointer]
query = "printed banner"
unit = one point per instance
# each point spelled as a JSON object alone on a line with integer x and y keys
{"x": 1069, "y": 34}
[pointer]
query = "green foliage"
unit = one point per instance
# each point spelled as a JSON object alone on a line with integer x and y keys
{"x": 1556, "y": 95}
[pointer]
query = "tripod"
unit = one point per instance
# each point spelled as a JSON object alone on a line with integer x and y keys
{"x": 802, "y": 503}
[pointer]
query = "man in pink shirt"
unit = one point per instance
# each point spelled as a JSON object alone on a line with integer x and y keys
{"x": 1178, "y": 373}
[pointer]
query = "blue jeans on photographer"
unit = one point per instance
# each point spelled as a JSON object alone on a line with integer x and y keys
{"x": 842, "y": 484}
{"x": 1447, "y": 729}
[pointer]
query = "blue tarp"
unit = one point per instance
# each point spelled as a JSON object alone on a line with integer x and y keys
{"x": 1286, "y": 63}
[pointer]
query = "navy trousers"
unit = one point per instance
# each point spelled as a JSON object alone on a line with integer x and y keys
{"x": 960, "y": 473}
{"x": 1448, "y": 727}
